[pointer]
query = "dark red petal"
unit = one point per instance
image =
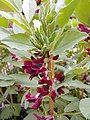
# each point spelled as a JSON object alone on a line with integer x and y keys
{"x": 27, "y": 63}
{"x": 84, "y": 28}
{"x": 88, "y": 51}
{"x": 38, "y": 2}
{"x": 53, "y": 95}
{"x": 59, "y": 76}
{"x": 37, "y": 103}
{"x": 60, "y": 90}
{"x": 43, "y": 91}
{"x": 55, "y": 57}
{"x": 30, "y": 97}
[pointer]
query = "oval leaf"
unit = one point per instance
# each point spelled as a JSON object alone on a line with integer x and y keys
{"x": 84, "y": 107}
{"x": 29, "y": 7}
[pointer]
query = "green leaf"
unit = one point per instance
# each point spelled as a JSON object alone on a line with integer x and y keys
{"x": 6, "y": 83}
{"x": 25, "y": 81}
{"x": 62, "y": 118}
{"x": 30, "y": 116}
{"x": 33, "y": 83}
{"x": 9, "y": 111}
{"x": 17, "y": 4}
{"x": 79, "y": 70}
{"x": 84, "y": 107}
{"x": 19, "y": 42}
{"x": 4, "y": 33}
{"x": 75, "y": 84}
{"x": 68, "y": 40}
{"x": 12, "y": 90}
{"x": 15, "y": 18}
{"x": 69, "y": 98}
{"x": 73, "y": 106}
{"x": 8, "y": 4}
{"x": 3, "y": 22}
{"x": 82, "y": 12}
{"x": 29, "y": 9}
{"x": 77, "y": 117}
{"x": 5, "y": 77}
{"x": 66, "y": 12}
{"x": 6, "y": 113}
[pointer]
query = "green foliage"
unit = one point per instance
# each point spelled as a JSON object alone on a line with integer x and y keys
{"x": 84, "y": 107}
{"x": 66, "y": 12}
{"x": 9, "y": 111}
{"x": 46, "y": 33}
{"x": 82, "y": 12}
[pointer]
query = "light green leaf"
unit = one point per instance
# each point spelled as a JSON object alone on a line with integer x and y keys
{"x": 26, "y": 104}
{"x": 66, "y": 12}
{"x": 68, "y": 40}
{"x": 19, "y": 42}
{"x": 77, "y": 117}
{"x": 33, "y": 83}
{"x": 62, "y": 118}
{"x": 15, "y": 18}
{"x": 4, "y": 33}
{"x": 82, "y": 12}
{"x": 73, "y": 106}
{"x": 69, "y": 98}
{"x": 15, "y": 45}
{"x": 84, "y": 107}
{"x": 29, "y": 7}
{"x": 25, "y": 81}
{"x": 9, "y": 4}
{"x": 75, "y": 84}
{"x": 4, "y": 22}
{"x": 12, "y": 90}
{"x": 5, "y": 77}
{"x": 6, "y": 83}
{"x": 17, "y": 29}
{"x": 17, "y": 4}
{"x": 30, "y": 116}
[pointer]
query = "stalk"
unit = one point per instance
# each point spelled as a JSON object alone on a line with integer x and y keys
{"x": 51, "y": 77}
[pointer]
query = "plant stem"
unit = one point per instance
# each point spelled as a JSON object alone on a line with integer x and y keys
{"x": 77, "y": 113}
{"x": 51, "y": 77}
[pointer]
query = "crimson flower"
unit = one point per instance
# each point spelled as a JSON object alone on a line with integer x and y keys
{"x": 88, "y": 51}
{"x": 37, "y": 103}
{"x": 34, "y": 67}
{"x": 59, "y": 76}
{"x": 53, "y": 95}
{"x": 30, "y": 98}
{"x": 83, "y": 28}
{"x": 60, "y": 90}
{"x": 37, "y": 11}
{"x": 55, "y": 57}
{"x": 44, "y": 90}
{"x": 45, "y": 81}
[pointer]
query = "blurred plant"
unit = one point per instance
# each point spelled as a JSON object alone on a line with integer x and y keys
{"x": 44, "y": 61}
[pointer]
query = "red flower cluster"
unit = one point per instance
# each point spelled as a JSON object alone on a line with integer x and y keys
{"x": 83, "y": 28}
{"x": 34, "y": 67}
{"x": 36, "y": 99}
